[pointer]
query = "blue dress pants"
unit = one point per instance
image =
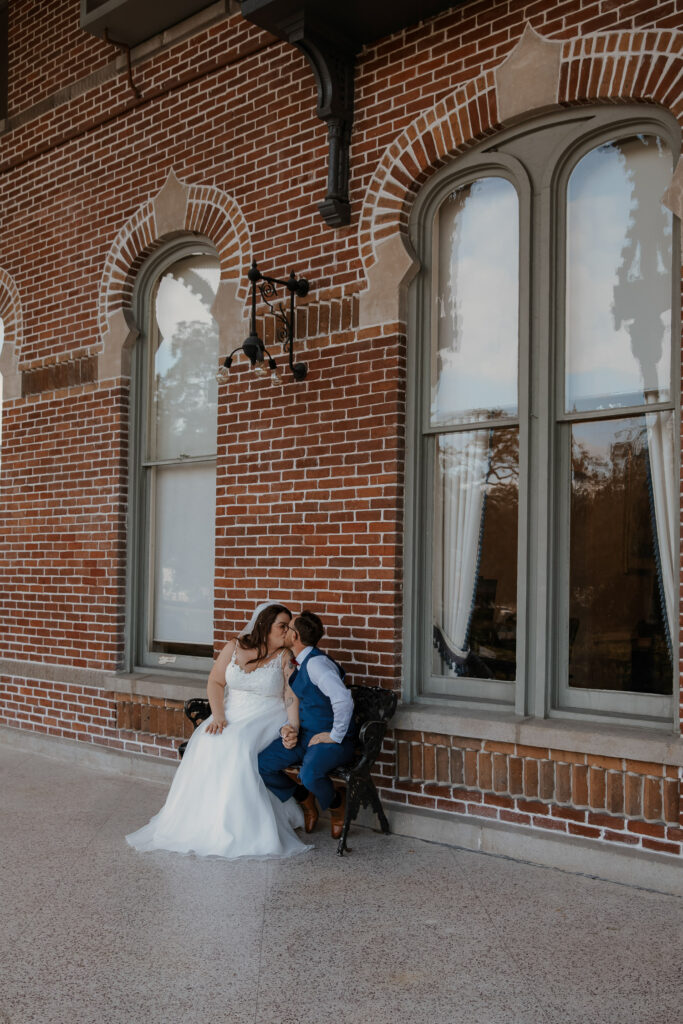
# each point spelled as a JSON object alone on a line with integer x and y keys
{"x": 316, "y": 762}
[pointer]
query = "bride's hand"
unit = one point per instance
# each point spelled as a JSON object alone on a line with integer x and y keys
{"x": 217, "y": 726}
{"x": 289, "y": 736}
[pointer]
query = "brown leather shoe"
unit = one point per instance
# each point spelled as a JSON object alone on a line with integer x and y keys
{"x": 337, "y": 817}
{"x": 310, "y": 809}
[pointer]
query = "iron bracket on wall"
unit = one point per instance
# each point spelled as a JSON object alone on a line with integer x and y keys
{"x": 330, "y": 33}
{"x": 333, "y": 69}
{"x": 331, "y": 53}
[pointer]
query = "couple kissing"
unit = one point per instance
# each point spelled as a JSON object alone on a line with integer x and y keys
{"x": 276, "y": 700}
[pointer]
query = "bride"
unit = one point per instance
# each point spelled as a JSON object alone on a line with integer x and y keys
{"x": 218, "y": 805}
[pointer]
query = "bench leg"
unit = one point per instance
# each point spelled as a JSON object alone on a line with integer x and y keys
{"x": 353, "y": 796}
{"x": 341, "y": 845}
{"x": 377, "y": 807}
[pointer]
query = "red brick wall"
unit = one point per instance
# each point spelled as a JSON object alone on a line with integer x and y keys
{"x": 635, "y": 803}
{"x": 48, "y": 51}
{"x": 63, "y": 559}
{"x": 310, "y": 477}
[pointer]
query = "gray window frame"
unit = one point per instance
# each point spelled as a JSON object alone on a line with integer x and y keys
{"x": 138, "y": 655}
{"x": 541, "y": 186}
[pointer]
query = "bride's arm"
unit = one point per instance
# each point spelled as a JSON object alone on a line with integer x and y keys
{"x": 292, "y": 707}
{"x": 215, "y": 689}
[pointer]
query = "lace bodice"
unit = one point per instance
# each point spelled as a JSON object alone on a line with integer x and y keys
{"x": 266, "y": 680}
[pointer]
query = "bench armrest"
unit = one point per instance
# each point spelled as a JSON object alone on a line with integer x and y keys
{"x": 197, "y": 710}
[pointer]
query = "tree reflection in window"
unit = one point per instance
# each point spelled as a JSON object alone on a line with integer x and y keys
{"x": 618, "y": 634}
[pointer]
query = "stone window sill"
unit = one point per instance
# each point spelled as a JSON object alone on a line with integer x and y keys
{"x": 146, "y": 683}
{"x": 157, "y": 683}
{"x": 659, "y": 745}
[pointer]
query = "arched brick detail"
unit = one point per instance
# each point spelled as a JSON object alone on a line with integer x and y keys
{"x": 177, "y": 208}
{"x": 619, "y": 66}
{"x": 455, "y": 122}
{"x": 12, "y": 320}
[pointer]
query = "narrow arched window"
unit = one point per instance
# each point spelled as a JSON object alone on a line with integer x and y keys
{"x": 175, "y": 479}
{"x": 474, "y": 421}
{"x": 543, "y": 482}
{"x": 617, "y": 421}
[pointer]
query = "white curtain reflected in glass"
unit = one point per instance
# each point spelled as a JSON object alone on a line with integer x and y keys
{"x": 474, "y": 568}
{"x": 476, "y": 304}
{"x": 184, "y": 500}
{"x": 458, "y": 516}
{"x": 184, "y": 405}
{"x": 664, "y": 503}
{"x": 618, "y": 285}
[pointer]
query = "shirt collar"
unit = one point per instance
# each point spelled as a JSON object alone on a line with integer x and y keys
{"x": 302, "y": 655}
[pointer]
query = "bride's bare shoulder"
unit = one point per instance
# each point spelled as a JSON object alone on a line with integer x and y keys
{"x": 228, "y": 651}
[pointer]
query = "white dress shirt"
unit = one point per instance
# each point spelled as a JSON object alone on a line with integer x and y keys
{"x": 324, "y": 674}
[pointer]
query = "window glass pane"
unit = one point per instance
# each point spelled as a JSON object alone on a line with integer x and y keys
{"x": 475, "y": 554}
{"x": 475, "y": 338}
{"x": 185, "y": 392}
{"x": 184, "y": 521}
{"x": 623, "y": 555}
{"x": 618, "y": 296}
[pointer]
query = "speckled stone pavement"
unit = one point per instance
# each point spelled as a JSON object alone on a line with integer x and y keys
{"x": 399, "y": 930}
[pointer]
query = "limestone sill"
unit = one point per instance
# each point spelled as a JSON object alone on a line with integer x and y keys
{"x": 658, "y": 745}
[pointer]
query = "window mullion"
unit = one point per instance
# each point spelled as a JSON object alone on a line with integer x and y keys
{"x": 539, "y": 580}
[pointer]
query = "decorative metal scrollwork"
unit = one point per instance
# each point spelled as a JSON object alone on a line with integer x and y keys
{"x": 253, "y": 346}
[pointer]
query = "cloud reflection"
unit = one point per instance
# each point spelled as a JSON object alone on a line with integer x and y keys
{"x": 618, "y": 297}
{"x": 476, "y": 305}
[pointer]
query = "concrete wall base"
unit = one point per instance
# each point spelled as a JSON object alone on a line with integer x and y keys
{"x": 152, "y": 769}
{"x": 645, "y": 870}
{"x": 654, "y": 871}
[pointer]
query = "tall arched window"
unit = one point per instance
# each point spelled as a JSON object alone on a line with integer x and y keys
{"x": 174, "y": 460}
{"x": 545, "y": 522}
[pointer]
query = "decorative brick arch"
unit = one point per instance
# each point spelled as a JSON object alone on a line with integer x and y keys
{"x": 178, "y": 208}
{"x": 12, "y": 321}
{"x": 619, "y": 66}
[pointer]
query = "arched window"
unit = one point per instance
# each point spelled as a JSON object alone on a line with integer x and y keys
{"x": 174, "y": 406}
{"x": 546, "y": 532}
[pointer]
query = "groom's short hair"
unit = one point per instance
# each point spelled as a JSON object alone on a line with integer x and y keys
{"x": 309, "y": 627}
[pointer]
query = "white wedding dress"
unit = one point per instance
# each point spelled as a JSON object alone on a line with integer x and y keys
{"x": 218, "y": 804}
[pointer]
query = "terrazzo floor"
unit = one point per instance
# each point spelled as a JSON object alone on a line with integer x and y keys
{"x": 399, "y": 930}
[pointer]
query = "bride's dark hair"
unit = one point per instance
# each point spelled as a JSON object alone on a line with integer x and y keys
{"x": 258, "y": 638}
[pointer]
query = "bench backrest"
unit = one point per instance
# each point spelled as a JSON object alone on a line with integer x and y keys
{"x": 372, "y": 704}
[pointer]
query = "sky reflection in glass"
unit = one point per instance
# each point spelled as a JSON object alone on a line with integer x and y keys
{"x": 185, "y": 360}
{"x": 475, "y": 308}
{"x": 618, "y": 296}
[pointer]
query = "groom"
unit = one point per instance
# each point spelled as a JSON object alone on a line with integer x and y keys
{"x": 324, "y": 739}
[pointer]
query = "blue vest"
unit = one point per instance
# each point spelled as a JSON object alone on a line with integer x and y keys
{"x": 315, "y": 709}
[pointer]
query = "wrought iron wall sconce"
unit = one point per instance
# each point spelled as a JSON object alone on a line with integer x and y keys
{"x": 253, "y": 347}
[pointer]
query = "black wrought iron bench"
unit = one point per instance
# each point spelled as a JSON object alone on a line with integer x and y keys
{"x": 373, "y": 708}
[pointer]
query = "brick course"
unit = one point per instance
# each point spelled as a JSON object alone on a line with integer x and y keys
{"x": 555, "y": 793}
